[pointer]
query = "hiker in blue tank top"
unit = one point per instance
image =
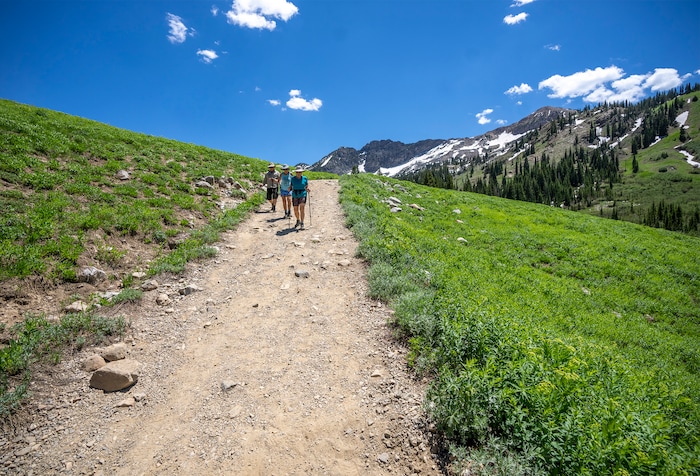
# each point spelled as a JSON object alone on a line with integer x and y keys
{"x": 285, "y": 192}
{"x": 300, "y": 188}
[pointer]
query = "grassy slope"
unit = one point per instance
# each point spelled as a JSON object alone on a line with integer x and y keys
{"x": 61, "y": 201}
{"x": 571, "y": 339}
{"x": 671, "y": 178}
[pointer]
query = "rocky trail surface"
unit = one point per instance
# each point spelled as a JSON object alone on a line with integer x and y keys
{"x": 278, "y": 364}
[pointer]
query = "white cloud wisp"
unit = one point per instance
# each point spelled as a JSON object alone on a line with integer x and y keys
{"x": 482, "y": 116}
{"x": 177, "y": 31}
{"x": 515, "y": 19}
{"x": 207, "y": 55}
{"x": 299, "y": 103}
{"x": 520, "y": 3}
{"x": 524, "y": 88}
{"x": 260, "y": 13}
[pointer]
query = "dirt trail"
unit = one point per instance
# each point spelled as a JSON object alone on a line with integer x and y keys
{"x": 316, "y": 385}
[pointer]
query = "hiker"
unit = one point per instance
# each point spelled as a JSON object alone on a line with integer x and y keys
{"x": 300, "y": 189}
{"x": 285, "y": 193}
{"x": 271, "y": 181}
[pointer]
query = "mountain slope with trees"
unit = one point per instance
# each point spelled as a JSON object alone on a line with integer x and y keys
{"x": 621, "y": 161}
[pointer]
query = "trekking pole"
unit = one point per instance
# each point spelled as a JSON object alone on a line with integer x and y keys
{"x": 308, "y": 199}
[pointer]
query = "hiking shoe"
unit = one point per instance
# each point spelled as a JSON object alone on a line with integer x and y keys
{"x": 273, "y": 208}
{"x": 297, "y": 224}
{"x": 301, "y": 225}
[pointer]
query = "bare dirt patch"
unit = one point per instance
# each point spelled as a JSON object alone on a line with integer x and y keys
{"x": 263, "y": 371}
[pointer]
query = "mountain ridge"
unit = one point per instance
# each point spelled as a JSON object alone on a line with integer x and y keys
{"x": 395, "y": 158}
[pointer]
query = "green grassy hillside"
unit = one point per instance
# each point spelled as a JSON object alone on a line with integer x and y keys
{"x": 557, "y": 342}
{"x": 664, "y": 172}
{"x": 63, "y": 204}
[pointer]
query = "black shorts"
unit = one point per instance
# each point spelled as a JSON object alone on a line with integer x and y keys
{"x": 271, "y": 193}
{"x": 298, "y": 200}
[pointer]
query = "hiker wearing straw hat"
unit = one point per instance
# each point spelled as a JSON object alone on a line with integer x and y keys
{"x": 300, "y": 189}
{"x": 285, "y": 193}
{"x": 271, "y": 181}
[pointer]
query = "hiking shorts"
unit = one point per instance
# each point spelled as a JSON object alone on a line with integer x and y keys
{"x": 285, "y": 193}
{"x": 296, "y": 201}
{"x": 271, "y": 193}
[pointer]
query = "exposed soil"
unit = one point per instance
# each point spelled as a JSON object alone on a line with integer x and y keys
{"x": 315, "y": 381}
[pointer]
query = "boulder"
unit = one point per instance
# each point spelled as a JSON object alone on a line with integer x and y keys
{"x": 116, "y": 375}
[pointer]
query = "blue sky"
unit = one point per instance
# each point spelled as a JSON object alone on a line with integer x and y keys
{"x": 291, "y": 81}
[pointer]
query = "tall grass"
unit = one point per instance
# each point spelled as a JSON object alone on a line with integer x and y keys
{"x": 59, "y": 184}
{"x": 558, "y": 343}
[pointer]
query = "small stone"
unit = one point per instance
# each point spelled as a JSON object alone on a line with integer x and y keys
{"x": 93, "y": 363}
{"x": 383, "y": 458}
{"x": 301, "y": 274}
{"x": 149, "y": 285}
{"x": 227, "y": 385}
{"x": 114, "y": 352}
{"x": 127, "y": 402}
{"x": 189, "y": 289}
{"x": 77, "y": 306}
{"x": 91, "y": 275}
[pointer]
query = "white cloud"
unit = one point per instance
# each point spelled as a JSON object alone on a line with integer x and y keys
{"x": 207, "y": 55}
{"x": 501, "y": 122}
{"x": 297, "y": 102}
{"x": 514, "y": 19}
{"x": 520, "y": 3}
{"x": 274, "y": 102}
{"x": 177, "y": 29}
{"x": 662, "y": 79}
{"x": 260, "y": 13}
{"x": 610, "y": 85}
{"x": 214, "y": 10}
{"x": 482, "y": 116}
{"x": 581, "y": 83}
{"x": 524, "y": 88}
{"x": 553, "y": 47}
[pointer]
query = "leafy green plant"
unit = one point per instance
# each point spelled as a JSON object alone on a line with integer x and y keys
{"x": 560, "y": 343}
{"x": 109, "y": 254}
{"x": 128, "y": 295}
